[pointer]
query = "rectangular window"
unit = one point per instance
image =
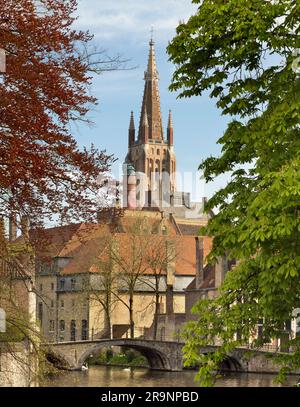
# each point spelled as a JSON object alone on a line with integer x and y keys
{"x": 73, "y": 283}
{"x": 51, "y": 325}
{"x": 41, "y": 287}
{"x": 62, "y": 325}
{"x": 52, "y": 304}
{"x": 260, "y": 328}
{"x": 62, "y": 304}
{"x": 73, "y": 330}
{"x": 40, "y": 312}
{"x": 288, "y": 325}
{"x": 61, "y": 330}
{"x": 52, "y": 286}
{"x": 84, "y": 330}
{"x": 62, "y": 284}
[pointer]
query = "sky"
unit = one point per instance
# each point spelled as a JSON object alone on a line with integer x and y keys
{"x": 123, "y": 27}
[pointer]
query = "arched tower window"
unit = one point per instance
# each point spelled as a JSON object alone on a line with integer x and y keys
{"x": 172, "y": 167}
{"x": 150, "y": 167}
{"x": 157, "y": 165}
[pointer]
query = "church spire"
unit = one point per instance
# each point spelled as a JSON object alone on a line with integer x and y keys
{"x": 151, "y": 153}
{"x": 151, "y": 101}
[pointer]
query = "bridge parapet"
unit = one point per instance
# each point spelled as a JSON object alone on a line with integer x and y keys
{"x": 162, "y": 355}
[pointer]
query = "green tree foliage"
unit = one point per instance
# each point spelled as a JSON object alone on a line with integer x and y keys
{"x": 244, "y": 52}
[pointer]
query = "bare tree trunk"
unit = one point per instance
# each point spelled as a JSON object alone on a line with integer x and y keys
{"x": 157, "y": 310}
{"x": 107, "y": 324}
{"x": 131, "y": 316}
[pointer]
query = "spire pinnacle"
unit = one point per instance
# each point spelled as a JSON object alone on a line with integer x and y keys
{"x": 131, "y": 124}
{"x": 131, "y": 131}
{"x": 170, "y": 120}
{"x": 170, "y": 130}
{"x": 151, "y": 73}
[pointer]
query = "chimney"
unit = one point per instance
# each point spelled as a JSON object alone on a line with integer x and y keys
{"x": 12, "y": 228}
{"x": 221, "y": 270}
{"x": 169, "y": 300}
{"x": 199, "y": 261}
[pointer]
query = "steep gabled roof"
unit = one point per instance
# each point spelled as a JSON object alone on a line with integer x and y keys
{"x": 84, "y": 243}
{"x": 49, "y": 243}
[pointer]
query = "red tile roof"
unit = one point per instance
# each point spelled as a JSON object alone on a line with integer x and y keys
{"x": 84, "y": 243}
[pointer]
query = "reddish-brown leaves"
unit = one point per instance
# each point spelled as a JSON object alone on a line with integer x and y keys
{"x": 42, "y": 171}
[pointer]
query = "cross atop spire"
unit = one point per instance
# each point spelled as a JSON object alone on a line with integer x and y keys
{"x": 151, "y": 35}
{"x": 151, "y": 73}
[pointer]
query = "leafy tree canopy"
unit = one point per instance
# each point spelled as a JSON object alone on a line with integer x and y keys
{"x": 244, "y": 52}
{"x": 45, "y": 87}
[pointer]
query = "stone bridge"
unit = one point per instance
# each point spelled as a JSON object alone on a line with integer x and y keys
{"x": 161, "y": 355}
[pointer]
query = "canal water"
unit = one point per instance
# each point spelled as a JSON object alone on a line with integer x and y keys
{"x": 112, "y": 376}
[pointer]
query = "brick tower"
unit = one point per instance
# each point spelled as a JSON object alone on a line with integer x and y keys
{"x": 151, "y": 155}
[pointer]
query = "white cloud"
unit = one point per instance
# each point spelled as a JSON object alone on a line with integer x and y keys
{"x": 111, "y": 20}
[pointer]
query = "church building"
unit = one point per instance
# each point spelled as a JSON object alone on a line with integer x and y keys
{"x": 68, "y": 311}
{"x": 151, "y": 157}
{"x": 150, "y": 164}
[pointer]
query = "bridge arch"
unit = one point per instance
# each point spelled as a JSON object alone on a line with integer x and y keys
{"x": 58, "y": 359}
{"x": 156, "y": 358}
{"x": 231, "y": 364}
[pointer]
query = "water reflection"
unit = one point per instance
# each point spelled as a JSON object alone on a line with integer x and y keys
{"x": 109, "y": 376}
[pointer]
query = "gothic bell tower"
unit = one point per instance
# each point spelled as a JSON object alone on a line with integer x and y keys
{"x": 150, "y": 154}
